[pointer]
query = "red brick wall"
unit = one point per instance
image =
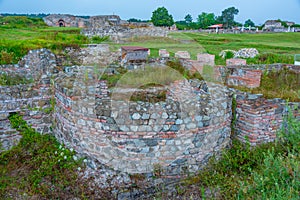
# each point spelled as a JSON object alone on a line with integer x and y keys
{"x": 244, "y": 77}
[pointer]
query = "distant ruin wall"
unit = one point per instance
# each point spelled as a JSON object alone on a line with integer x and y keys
{"x": 64, "y": 20}
{"x": 120, "y": 33}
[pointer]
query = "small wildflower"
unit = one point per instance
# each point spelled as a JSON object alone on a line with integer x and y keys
{"x": 55, "y": 152}
{"x": 75, "y": 158}
{"x": 85, "y": 160}
{"x": 79, "y": 168}
{"x": 60, "y": 147}
{"x": 62, "y": 153}
{"x": 71, "y": 149}
{"x": 65, "y": 157}
{"x": 58, "y": 160}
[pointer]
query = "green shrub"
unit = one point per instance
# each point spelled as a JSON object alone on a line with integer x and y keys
{"x": 278, "y": 179}
{"x": 229, "y": 55}
{"x": 43, "y": 165}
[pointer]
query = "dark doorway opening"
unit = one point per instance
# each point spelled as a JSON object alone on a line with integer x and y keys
{"x": 61, "y": 23}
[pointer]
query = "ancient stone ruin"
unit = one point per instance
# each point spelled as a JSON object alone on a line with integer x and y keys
{"x": 82, "y": 22}
{"x": 106, "y": 25}
{"x": 177, "y": 134}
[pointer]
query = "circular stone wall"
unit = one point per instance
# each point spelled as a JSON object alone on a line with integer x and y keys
{"x": 178, "y": 134}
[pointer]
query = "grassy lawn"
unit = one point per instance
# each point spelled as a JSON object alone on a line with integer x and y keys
{"x": 18, "y": 35}
{"x": 171, "y": 44}
{"x": 279, "y": 47}
{"x": 273, "y": 47}
{"x": 16, "y": 42}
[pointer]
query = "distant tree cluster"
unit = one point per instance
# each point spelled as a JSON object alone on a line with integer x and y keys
{"x": 161, "y": 17}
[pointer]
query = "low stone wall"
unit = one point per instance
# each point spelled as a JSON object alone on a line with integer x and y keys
{"x": 243, "y": 77}
{"x": 120, "y": 33}
{"x": 249, "y": 75}
{"x": 258, "y": 119}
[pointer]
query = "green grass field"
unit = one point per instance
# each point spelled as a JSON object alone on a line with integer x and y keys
{"x": 273, "y": 47}
{"x": 280, "y": 47}
{"x": 20, "y": 34}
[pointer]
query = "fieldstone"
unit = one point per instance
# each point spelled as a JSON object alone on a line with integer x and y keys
{"x": 174, "y": 128}
{"x": 200, "y": 124}
{"x": 166, "y": 127}
{"x": 145, "y": 116}
{"x": 134, "y": 128}
{"x": 136, "y": 116}
{"x": 191, "y": 126}
{"x": 178, "y": 121}
{"x": 206, "y": 118}
{"x": 164, "y": 115}
{"x": 124, "y": 128}
{"x": 198, "y": 118}
{"x": 154, "y": 116}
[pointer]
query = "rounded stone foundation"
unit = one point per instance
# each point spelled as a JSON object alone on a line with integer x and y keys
{"x": 176, "y": 135}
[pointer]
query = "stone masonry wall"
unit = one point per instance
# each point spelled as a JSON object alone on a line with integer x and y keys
{"x": 178, "y": 134}
{"x": 258, "y": 119}
{"x": 31, "y": 100}
{"x": 121, "y": 33}
{"x": 243, "y": 77}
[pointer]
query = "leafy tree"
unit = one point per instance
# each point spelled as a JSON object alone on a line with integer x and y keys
{"x": 188, "y": 19}
{"x": 249, "y": 23}
{"x": 206, "y": 19}
{"x": 161, "y": 17}
{"x": 228, "y": 16}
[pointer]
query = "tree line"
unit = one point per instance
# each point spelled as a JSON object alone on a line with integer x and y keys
{"x": 161, "y": 17}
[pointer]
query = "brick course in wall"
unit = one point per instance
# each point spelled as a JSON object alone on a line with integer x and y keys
{"x": 258, "y": 120}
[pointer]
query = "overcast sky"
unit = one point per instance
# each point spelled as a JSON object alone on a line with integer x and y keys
{"x": 257, "y": 10}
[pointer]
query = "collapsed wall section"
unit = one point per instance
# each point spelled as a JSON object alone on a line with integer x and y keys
{"x": 32, "y": 100}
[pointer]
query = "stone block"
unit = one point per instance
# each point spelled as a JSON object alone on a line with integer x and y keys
{"x": 206, "y": 59}
{"x": 182, "y": 55}
{"x": 163, "y": 53}
{"x": 236, "y": 61}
